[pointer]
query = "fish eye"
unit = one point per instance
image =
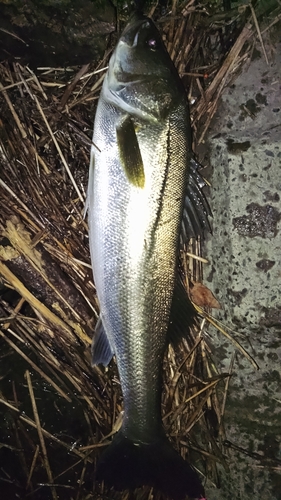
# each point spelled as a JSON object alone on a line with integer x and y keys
{"x": 152, "y": 44}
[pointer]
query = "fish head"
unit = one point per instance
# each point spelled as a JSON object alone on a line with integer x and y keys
{"x": 142, "y": 79}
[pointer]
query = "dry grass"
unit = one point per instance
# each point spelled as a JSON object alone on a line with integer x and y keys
{"x": 54, "y": 427}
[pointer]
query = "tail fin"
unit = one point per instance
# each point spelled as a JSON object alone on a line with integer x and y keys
{"x": 128, "y": 465}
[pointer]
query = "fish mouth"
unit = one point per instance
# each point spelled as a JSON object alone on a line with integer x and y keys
{"x": 131, "y": 33}
{"x": 120, "y": 64}
{"x": 127, "y": 80}
{"x": 131, "y": 62}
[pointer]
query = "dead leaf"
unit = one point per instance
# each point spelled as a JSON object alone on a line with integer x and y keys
{"x": 202, "y": 296}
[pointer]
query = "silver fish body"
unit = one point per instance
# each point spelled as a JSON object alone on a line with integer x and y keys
{"x": 137, "y": 186}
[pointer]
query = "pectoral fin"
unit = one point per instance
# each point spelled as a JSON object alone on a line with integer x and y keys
{"x": 129, "y": 152}
{"x": 101, "y": 349}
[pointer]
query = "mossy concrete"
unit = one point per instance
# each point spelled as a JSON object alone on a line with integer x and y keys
{"x": 245, "y": 275}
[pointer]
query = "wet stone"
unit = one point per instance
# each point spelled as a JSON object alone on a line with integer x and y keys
{"x": 271, "y": 318}
{"x": 261, "y": 99}
{"x": 261, "y": 221}
{"x": 271, "y": 196}
{"x": 265, "y": 264}
{"x": 251, "y": 105}
{"x": 237, "y": 295}
{"x": 269, "y": 153}
{"x": 237, "y": 147}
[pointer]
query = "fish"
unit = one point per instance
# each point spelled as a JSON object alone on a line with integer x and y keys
{"x": 144, "y": 201}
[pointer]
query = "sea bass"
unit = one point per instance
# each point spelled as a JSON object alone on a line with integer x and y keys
{"x": 141, "y": 201}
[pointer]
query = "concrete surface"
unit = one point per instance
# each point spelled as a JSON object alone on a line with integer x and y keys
{"x": 245, "y": 273}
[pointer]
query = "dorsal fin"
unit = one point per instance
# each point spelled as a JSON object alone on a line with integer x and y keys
{"x": 196, "y": 211}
